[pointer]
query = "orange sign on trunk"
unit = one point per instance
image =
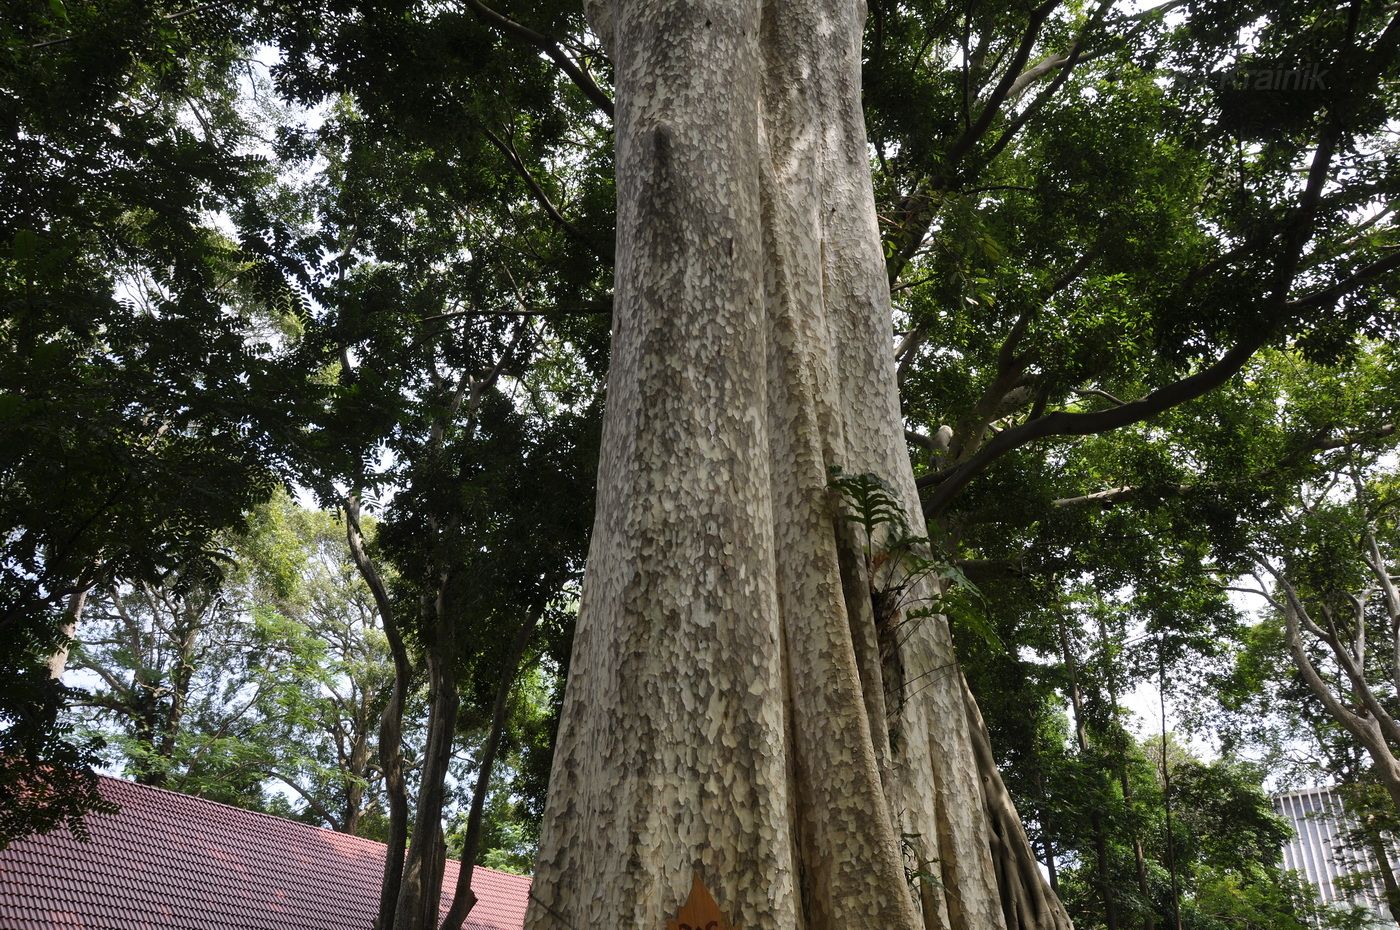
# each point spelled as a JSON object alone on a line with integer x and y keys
{"x": 700, "y": 912}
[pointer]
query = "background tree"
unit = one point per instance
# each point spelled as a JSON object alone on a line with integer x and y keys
{"x": 145, "y": 404}
{"x": 457, "y": 323}
{"x": 250, "y": 688}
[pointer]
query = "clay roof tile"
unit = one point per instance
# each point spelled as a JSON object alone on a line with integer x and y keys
{"x": 168, "y": 861}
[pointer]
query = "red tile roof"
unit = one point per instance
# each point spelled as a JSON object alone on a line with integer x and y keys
{"x": 169, "y": 861}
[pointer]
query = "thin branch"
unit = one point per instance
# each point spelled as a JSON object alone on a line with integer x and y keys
{"x": 558, "y": 311}
{"x": 579, "y": 75}
{"x": 1100, "y": 393}
{"x": 542, "y": 198}
{"x": 311, "y": 802}
{"x": 168, "y": 17}
{"x": 1350, "y": 439}
{"x": 1003, "y": 88}
{"x": 1066, "y": 66}
{"x": 1257, "y": 592}
{"x": 1330, "y": 295}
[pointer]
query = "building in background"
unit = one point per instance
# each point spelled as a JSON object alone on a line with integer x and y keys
{"x": 1319, "y": 852}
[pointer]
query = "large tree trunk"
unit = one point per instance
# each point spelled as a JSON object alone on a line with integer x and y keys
{"x": 728, "y": 709}
{"x": 1027, "y": 902}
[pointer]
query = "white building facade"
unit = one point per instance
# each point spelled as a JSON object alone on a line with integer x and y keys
{"x": 1318, "y": 853}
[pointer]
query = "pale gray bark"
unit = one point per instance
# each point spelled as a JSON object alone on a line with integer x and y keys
{"x": 1351, "y": 702}
{"x": 731, "y": 707}
{"x": 72, "y": 613}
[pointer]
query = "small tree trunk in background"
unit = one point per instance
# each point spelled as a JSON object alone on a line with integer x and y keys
{"x": 1149, "y": 920}
{"x": 390, "y": 723}
{"x": 728, "y": 712}
{"x": 72, "y": 613}
{"x": 464, "y": 899}
{"x": 421, "y": 892}
{"x": 188, "y": 627}
{"x": 1081, "y": 738}
{"x": 355, "y": 789}
{"x": 1167, "y": 793}
{"x": 1375, "y": 841}
{"x": 1047, "y": 847}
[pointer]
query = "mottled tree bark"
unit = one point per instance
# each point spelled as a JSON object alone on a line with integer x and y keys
{"x": 68, "y": 628}
{"x": 730, "y": 707}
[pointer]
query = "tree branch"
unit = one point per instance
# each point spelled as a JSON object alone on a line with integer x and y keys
{"x": 1330, "y": 295}
{"x": 1297, "y": 231}
{"x": 947, "y": 484}
{"x": 581, "y": 78}
{"x": 311, "y": 802}
{"x": 542, "y": 198}
{"x": 1066, "y": 66}
{"x": 916, "y": 222}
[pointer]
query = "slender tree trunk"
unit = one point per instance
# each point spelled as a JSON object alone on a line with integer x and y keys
{"x": 1047, "y": 846}
{"x": 149, "y": 771}
{"x": 728, "y": 713}
{"x": 1167, "y": 794}
{"x": 1081, "y": 737}
{"x": 396, "y": 789}
{"x": 1149, "y": 920}
{"x": 1356, "y": 713}
{"x": 464, "y": 898}
{"x": 420, "y": 894}
{"x": 390, "y": 723}
{"x": 355, "y": 787}
{"x": 188, "y": 629}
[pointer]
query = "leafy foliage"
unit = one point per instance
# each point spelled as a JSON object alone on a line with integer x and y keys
{"x": 899, "y": 563}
